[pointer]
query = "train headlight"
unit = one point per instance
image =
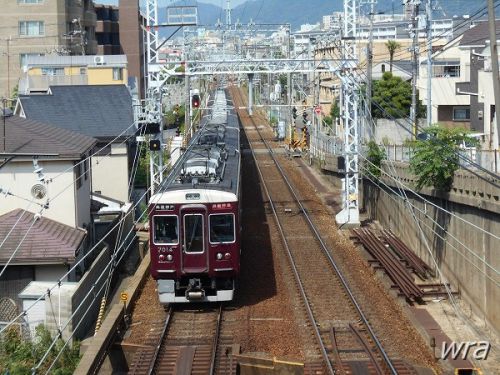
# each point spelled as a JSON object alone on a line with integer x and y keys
{"x": 161, "y": 257}
{"x": 170, "y": 257}
{"x": 219, "y": 256}
{"x": 227, "y": 256}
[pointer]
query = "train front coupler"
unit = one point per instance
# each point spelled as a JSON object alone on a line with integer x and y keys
{"x": 194, "y": 291}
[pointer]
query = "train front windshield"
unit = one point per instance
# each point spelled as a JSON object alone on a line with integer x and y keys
{"x": 193, "y": 233}
{"x": 166, "y": 229}
{"x": 222, "y": 228}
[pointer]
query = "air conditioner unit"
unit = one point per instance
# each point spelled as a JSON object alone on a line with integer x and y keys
{"x": 99, "y": 60}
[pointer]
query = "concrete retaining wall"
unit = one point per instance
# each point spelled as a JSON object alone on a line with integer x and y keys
{"x": 461, "y": 250}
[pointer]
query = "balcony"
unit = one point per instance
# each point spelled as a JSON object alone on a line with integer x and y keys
{"x": 42, "y": 83}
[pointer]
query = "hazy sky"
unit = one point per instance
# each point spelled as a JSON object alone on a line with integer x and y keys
{"x": 221, "y": 3}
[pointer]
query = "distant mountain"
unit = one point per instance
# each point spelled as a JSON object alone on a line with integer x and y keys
{"x": 298, "y": 12}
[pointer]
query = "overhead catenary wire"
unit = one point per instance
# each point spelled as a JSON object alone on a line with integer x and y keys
{"x": 35, "y": 219}
{"x": 73, "y": 182}
{"x": 405, "y": 188}
{"x": 408, "y": 129}
{"x": 451, "y": 297}
{"x": 110, "y": 265}
{"x": 79, "y": 262}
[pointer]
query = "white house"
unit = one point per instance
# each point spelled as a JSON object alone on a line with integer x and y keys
{"x": 45, "y": 215}
{"x": 462, "y": 84}
{"x": 103, "y": 112}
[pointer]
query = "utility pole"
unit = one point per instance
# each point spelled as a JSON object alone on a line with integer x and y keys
{"x": 429, "y": 62}
{"x": 414, "y": 71}
{"x": 77, "y": 32}
{"x": 494, "y": 70}
{"x": 228, "y": 13}
{"x": 250, "y": 94}
{"x": 369, "y": 73}
{"x": 8, "y": 67}
{"x": 4, "y": 103}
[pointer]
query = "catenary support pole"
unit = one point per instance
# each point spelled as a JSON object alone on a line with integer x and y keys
{"x": 414, "y": 66}
{"x": 494, "y": 127}
{"x": 429, "y": 62}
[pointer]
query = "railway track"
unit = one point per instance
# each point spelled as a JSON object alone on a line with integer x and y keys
{"x": 186, "y": 342}
{"x": 347, "y": 344}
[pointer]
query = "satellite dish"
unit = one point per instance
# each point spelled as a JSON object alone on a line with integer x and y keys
{"x": 38, "y": 191}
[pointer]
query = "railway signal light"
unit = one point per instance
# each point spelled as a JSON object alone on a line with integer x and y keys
{"x": 304, "y": 117}
{"x": 195, "y": 101}
{"x": 294, "y": 113}
{"x": 154, "y": 145}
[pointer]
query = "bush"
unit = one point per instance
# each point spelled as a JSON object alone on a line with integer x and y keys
{"x": 375, "y": 156}
{"x": 18, "y": 356}
{"x": 435, "y": 160}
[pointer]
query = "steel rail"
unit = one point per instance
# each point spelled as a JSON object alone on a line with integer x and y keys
{"x": 364, "y": 319}
{"x": 160, "y": 341}
{"x": 368, "y": 350}
{"x": 294, "y": 268}
{"x": 335, "y": 351}
{"x": 337, "y": 270}
{"x": 215, "y": 342}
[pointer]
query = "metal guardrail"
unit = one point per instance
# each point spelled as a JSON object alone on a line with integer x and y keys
{"x": 324, "y": 145}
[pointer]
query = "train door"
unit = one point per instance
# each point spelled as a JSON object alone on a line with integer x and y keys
{"x": 194, "y": 247}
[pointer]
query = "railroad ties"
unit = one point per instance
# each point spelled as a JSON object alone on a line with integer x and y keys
{"x": 186, "y": 343}
{"x": 346, "y": 342}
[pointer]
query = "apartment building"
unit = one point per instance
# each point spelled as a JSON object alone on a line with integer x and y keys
{"x": 40, "y": 72}
{"x": 107, "y": 30}
{"x": 42, "y": 27}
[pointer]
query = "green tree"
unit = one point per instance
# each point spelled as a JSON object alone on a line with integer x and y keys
{"x": 393, "y": 95}
{"x": 392, "y": 46}
{"x": 435, "y": 160}
{"x": 19, "y": 356}
{"x": 335, "y": 110}
{"x": 375, "y": 155}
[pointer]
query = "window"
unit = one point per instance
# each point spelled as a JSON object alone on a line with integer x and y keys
{"x": 23, "y": 57}
{"x": 117, "y": 74}
{"x": 446, "y": 71}
{"x": 383, "y": 68}
{"x": 31, "y": 28}
{"x": 78, "y": 175}
{"x": 83, "y": 71}
{"x": 452, "y": 71}
{"x": 222, "y": 228}
{"x": 86, "y": 168}
{"x": 461, "y": 114}
{"x": 30, "y": 1}
{"x": 165, "y": 230}
{"x": 52, "y": 71}
{"x": 193, "y": 233}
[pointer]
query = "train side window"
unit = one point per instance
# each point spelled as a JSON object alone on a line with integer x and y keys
{"x": 166, "y": 230}
{"x": 222, "y": 228}
{"x": 193, "y": 233}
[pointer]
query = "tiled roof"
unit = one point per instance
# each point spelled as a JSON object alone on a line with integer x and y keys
{"x": 404, "y": 65}
{"x": 100, "y": 111}
{"x": 28, "y": 136}
{"x": 478, "y": 35}
{"x": 48, "y": 242}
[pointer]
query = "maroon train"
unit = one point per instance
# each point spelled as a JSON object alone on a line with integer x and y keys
{"x": 195, "y": 216}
